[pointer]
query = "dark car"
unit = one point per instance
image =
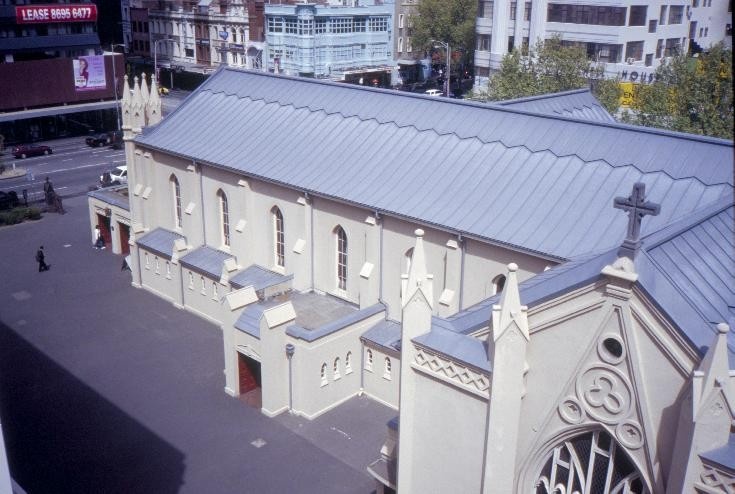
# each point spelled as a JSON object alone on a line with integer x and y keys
{"x": 25, "y": 150}
{"x": 116, "y": 139}
{"x": 98, "y": 140}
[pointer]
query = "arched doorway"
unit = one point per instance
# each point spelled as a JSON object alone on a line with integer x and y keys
{"x": 590, "y": 462}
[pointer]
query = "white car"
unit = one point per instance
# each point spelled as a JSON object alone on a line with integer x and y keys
{"x": 433, "y": 92}
{"x": 115, "y": 177}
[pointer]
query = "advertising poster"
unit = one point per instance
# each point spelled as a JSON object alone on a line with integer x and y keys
{"x": 89, "y": 73}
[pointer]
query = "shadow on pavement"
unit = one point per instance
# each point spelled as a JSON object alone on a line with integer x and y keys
{"x": 62, "y": 436}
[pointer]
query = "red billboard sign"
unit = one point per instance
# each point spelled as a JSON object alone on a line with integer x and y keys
{"x": 46, "y": 14}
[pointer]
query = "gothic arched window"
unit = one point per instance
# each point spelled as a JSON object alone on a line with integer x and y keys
{"x": 279, "y": 244}
{"x": 225, "y": 217}
{"x": 591, "y": 462}
{"x": 341, "y": 258}
{"x": 176, "y": 192}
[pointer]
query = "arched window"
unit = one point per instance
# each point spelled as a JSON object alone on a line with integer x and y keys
{"x": 279, "y": 244}
{"x": 336, "y": 369}
{"x": 369, "y": 360}
{"x": 348, "y": 363}
{"x": 591, "y": 462}
{"x": 224, "y": 218}
{"x": 341, "y": 257}
{"x": 324, "y": 374}
{"x": 498, "y": 284}
{"x": 388, "y": 368}
{"x": 176, "y": 193}
{"x": 407, "y": 259}
{"x": 400, "y": 44}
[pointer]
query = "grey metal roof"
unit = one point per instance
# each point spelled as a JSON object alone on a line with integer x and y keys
{"x": 258, "y": 277}
{"x": 385, "y": 334}
{"x": 459, "y": 347}
{"x": 578, "y": 103}
{"x": 205, "y": 260}
{"x": 312, "y": 334}
{"x": 112, "y": 196}
{"x": 536, "y": 183}
{"x": 249, "y": 319}
{"x": 724, "y": 456}
{"x": 686, "y": 269}
{"x": 160, "y": 241}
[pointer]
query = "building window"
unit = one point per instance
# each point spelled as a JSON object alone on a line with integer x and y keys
{"x": 387, "y": 370}
{"x": 673, "y": 47}
{"x": 191, "y": 280}
{"x": 204, "y": 285}
{"x": 652, "y": 25}
{"x": 485, "y": 9}
{"x": 147, "y": 261}
{"x": 527, "y": 12}
{"x": 662, "y": 15}
{"x": 336, "y": 369}
{"x": 409, "y": 49}
{"x": 224, "y": 218}
{"x": 638, "y": 15}
{"x": 176, "y": 192}
{"x": 676, "y": 14}
{"x": 341, "y": 238}
{"x": 157, "y": 265}
{"x": 483, "y": 42}
{"x": 634, "y": 51}
{"x": 511, "y": 42}
{"x": 498, "y": 284}
{"x": 586, "y": 14}
{"x": 324, "y": 374}
{"x": 649, "y": 59}
{"x": 279, "y": 246}
{"x": 348, "y": 363}
{"x": 400, "y": 21}
{"x": 377, "y": 24}
{"x": 513, "y": 9}
{"x": 400, "y": 45}
{"x": 369, "y": 360}
{"x": 214, "y": 291}
{"x": 659, "y": 48}
{"x": 168, "y": 269}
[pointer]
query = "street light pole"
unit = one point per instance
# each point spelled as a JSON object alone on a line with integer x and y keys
{"x": 114, "y": 84}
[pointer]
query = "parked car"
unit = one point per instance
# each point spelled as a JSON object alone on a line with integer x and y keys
{"x": 26, "y": 150}
{"x": 98, "y": 140}
{"x": 8, "y": 200}
{"x": 117, "y": 176}
{"x": 433, "y": 92}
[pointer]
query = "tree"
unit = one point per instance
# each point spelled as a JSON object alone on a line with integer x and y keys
{"x": 608, "y": 93}
{"x": 550, "y": 67}
{"x": 692, "y": 95}
{"x": 450, "y": 21}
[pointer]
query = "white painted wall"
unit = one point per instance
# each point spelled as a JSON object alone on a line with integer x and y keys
{"x": 377, "y": 383}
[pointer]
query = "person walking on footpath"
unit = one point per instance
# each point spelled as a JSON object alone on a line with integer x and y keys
{"x": 41, "y": 258}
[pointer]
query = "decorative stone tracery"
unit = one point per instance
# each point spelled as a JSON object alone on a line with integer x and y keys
{"x": 455, "y": 372}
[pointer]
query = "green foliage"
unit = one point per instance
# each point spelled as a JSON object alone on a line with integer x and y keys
{"x": 549, "y": 68}
{"x": 450, "y": 21}
{"x": 18, "y": 215}
{"x": 692, "y": 95}
{"x": 608, "y": 93}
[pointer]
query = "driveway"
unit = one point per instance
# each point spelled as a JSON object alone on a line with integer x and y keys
{"x": 106, "y": 388}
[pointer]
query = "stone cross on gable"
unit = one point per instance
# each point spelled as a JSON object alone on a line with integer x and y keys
{"x": 637, "y": 207}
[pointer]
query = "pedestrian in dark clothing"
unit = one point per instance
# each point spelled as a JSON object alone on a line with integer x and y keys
{"x": 40, "y": 257}
{"x": 48, "y": 192}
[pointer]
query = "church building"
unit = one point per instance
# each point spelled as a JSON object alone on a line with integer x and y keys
{"x": 545, "y": 299}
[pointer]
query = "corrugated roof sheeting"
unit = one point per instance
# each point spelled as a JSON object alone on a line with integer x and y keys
{"x": 578, "y": 103}
{"x": 700, "y": 261}
{"x": 547, "y": 194}
{"x": 258, "y": 277}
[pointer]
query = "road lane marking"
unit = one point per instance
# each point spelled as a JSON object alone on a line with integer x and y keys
{"x": 68, "y": 159}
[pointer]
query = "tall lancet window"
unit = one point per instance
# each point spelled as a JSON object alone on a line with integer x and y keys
{"x": 498, "y": 284}
{"x": 176, "y": 193}
{"x": 224, "y": 218}
{"x": 279, "y": 242}
{"x": 341, "y": 257}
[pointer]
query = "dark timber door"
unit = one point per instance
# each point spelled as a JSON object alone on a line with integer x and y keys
{"x": 124, "y": 237}
{"x": 249, "y": 373}
{"x": 104, "y": 224}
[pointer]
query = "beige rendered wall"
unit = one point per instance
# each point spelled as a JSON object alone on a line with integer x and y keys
{"x": 204, "y": 295}
{"x": 378, "y": 384}
{"x": 158, "y": 280}
{"x": 313, "y": 396}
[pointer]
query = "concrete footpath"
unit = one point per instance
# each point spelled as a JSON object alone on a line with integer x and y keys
{"x": 105, "y": 388}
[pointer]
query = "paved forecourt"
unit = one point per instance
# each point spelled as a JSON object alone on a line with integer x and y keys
{"x": 105, "y": 388}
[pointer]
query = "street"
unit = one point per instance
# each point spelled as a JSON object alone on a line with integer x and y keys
{"x": 73, "y": 168}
